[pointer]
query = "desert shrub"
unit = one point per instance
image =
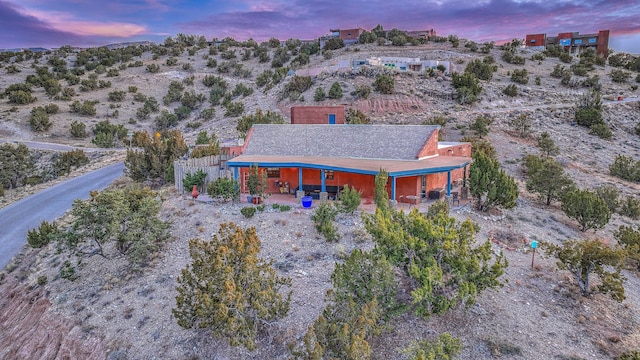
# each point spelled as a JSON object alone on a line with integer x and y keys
{"x": 625, "y": 168}
{"x": 510, "y": 90}
{"x": 196, "y": 179}
{"x": 443, "y": 347}
{"x": 165, "y": 120}
{"x": 333, "y": 44}
{"x": 296, "y": 86}
{"x": 481, "y": 125}
{"x": 323, "y": 218}
{"x": 20, "y": 97}
{"x": 106, "y": 134}
{"x": 586, "y": 208}
{"x": 601, "y": 130}
{"x": 234, "y": 109}
{"x": 117, "y": 95}
{"x": 39, "y": 120}
{"x": 467, "y": 87}
{"x": 319, "y": 94}
{"x": 481, "y": 69}
{"x": 259, "y": 117}
{"x": 588, "y": 117}
{"x": 248, "y": 211}
{"x": 43, "y": 235}
{"x": 153, "y": 68}
{"x": 356, "y": 116}
{"x": 70, "y": 159}
{"x": 224, "y": 188}
{"x": 384, "y": 84}
{"x": 521, "y": 76}
{"x": 609, "y": 193}
{"x": 619, "y": 75}
{"x": 132, "y": 89}
{"x": 86, "y": 108}
{"x": 350, "y": 199}
{"x": 630, "y": 207}
{"x": 565, "y": 57}
{"x": 362, "y": 91}
{"x": 558, "y": 71}
{"x": 51, "y": 109}
{"x": 335, "y": 92}
{"x": 241, "y": 89}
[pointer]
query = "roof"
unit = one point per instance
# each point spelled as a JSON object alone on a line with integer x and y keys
{"x": 363, "y": 149}
{"x": 391, "y": 142}
{"x": 360, "y": 166}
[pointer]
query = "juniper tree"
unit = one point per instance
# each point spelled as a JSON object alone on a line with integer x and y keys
{"x": 490, "y": 185}
{"x": 546, "y": 178}
{"x": 546, "y": 145}
{"x": 587, "y": 208}
{"x": 582, "y": 258}
{"x": 228, "y": 289}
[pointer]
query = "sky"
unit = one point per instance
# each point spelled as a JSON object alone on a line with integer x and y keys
{"x": 86, "y": 23}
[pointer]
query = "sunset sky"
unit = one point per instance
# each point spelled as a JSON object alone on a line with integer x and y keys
{"x": 53, "y": 23}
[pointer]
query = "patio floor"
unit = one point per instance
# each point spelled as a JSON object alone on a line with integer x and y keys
{"x": 366, "y": 204}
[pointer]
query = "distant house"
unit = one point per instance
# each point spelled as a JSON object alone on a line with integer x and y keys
{"x": 574, "y": 42}
{"x": 317, "y": 114}
{"x": 321, "y": 159}
{"x": 406, "y": 64}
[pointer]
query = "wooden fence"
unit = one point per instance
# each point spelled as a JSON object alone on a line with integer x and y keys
{"x": 214, "y": 166}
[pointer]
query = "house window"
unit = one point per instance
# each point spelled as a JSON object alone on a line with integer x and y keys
{"x": 273, "y": 172}
{"x": 533, "y": 40}
{"x": 328, "y": 174}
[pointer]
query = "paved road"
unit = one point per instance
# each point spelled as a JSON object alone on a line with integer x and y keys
{"x": 18, "y": 218}
{"x": 56, "y": 147}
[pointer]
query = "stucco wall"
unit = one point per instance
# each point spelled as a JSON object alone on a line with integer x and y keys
{"x": 316, "y": 114}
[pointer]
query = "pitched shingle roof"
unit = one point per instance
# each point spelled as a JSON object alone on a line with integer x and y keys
{"x": 393, "y": 142}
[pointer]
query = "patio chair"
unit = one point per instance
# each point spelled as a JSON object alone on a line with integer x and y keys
{"x": 454, "y": 198}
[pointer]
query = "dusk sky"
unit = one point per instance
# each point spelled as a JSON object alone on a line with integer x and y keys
{"x": 53, "y": 23}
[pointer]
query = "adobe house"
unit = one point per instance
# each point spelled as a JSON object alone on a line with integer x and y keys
{"x": 319, "y": 160}
{"x": 317, "y": 114}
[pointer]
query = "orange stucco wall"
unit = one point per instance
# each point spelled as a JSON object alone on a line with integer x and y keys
{"x": 430, "y": 147}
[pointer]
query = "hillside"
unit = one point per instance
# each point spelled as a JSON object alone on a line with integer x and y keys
{"x": 538, "y": 314}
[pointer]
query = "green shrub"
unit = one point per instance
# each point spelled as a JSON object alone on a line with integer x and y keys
{"x": 39, "y": 120}
{"x": 565, "y": 57}
{"x": 333, "y": 44}
{"x": 384, "y": 84}
{"x": 51, "y": 109}
{"x": 284, "y": 208}
{"x": 350, "y": 199}
{"x": 296, "y": 86}
{"x": 70, "y": 159}
{"x": 520, "y": 76}
{"x": 42, "y": 280}
{"x": 630, "y": 207}
{"x": 619, "y": 75}
{"x": 625, "y": 168}
{"x": 362, "y": 91}
{"x": 86, "y": 108}
{"x": 601, "y": 130}
{"x": 609, "y": 193}
{"x": 319, "y": 95}
{"x": 194, "y": 179}
{"x": 42, "y": 236}
{"x": 248, "y": 211}
{"x": 224, "y": 188}
{"x": 117, "y": 96}
{"x": 234, "y": 109}
{"x": 335, "y": 92}
{"x": 323, "y": 218}
{"x": 511, "y": 90}
{"x": 68, "y": 272}
{"x": 588, "y": 117}
{"x": 153, "y": 68}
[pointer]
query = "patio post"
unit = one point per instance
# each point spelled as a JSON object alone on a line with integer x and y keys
{"x": 393, "y": 188}
{"x": 323, "y": 186}
{"x": 300, "y": 178}
{"x": 449, "y": 183}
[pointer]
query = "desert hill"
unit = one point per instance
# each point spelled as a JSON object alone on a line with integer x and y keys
{"x": 538, "y": 314}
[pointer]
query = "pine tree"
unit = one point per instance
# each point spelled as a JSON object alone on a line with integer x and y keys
{"x": 546, "y": 145}
{"x": 546, "y": 177}
{"x": 439, "y": 255}
{"x": 336, "y": 91}
{"x": 490, "y": 185}
{"x": 585, "y": 257}
{"x": 380, "y": 196}
{"x": 587, "y": 208}
{"x": 228, "y": 289}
